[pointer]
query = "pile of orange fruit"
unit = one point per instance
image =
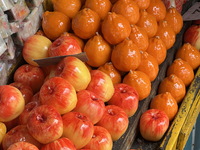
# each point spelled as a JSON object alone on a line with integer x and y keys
{"x": 128, "y": 40}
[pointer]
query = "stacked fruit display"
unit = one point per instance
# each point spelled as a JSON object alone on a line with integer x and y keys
{"x": 78, "y": 103}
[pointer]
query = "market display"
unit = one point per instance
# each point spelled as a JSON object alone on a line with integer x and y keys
{"x": 89, "y": 104}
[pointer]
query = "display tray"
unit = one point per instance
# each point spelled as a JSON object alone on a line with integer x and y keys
{"x": 180, "y": 127}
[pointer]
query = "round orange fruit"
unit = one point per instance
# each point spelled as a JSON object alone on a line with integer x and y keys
{"x": 173, "y": 85}
{"x": 142, "y": 4}
{"x": 126, "y": 56}
{"x": 115, "y": 28}
{"x": 148, "y": 23}
{"x": 140, "y": 82}
{"x": 149, "y": 66}
{"x": 157, "y": 49}
{"x": 86, "y": 23}
{"x": 98, "y": 51}
{"x": 157, "y": 9}
{"x": 139, "y": 37}
{"x": 127, "y": 8}
{"x": 166, "y": 33}
{"x": 174, "y": 19}
{"x": 190, "y": 54}
{"x": 165, "y": 102}
{"x": 110, "y": 70}
{"x": 54, "y": 24}
{"x": 69, "y": 7}
{"x": 182, "y": 70}
{"x": 101, "y": 7}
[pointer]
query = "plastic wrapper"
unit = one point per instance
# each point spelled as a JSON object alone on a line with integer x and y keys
{"x": 6, "y": 4}
{"x": 1, "y": 12}
{"x": 5, "y": 30}
{"x": 35, "y": 19}
{"x": 33, "y": 3}
{"x": 41, "y": 10}
{"x": 19, "y": 12}
{"x": 14, "y": 26}
{"x": 9, "y": 54}
{"x": 3, "y": 72}
{"x": 3, "y": 46}
{"x": 174, "y": 3}
{"x": 25, "y": 31}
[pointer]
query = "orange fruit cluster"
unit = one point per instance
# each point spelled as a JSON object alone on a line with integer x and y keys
{"x": 179, "y": 75}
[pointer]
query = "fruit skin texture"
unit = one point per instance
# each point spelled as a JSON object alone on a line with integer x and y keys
{"x": 59, "y": 93}
{"x": 98, "y": 51}
{"x": 22, "y": 146}
{"x": 126, "y": 97}
{"x": 149, "y": 66}
{"x": 23, "y": 118}
{"x": 157, "y": 9}
{"x": 142, "y": 4}
{"x": 86, "y": 23}
{"x": 90, "y": 104}
{"x": 173, "y": 85}
{"x": 166, "y": 33}
{"x": 3, "y": 131}
{"x": 30, "y": 75}
{"x": 110, "y": 70}
{"x": 64, "y": 45}
{"x": 127, "y": 8}
{"x": 115, "y": 28}
{"x": 165, "y": 102}
{"x": 140, "y": 82}
{"x": 74, "y": 71}
{"x": 45, "y": 124}
{"x": 153, "y": 124}
{"x": 70, "y": 7}
{"x": 54, "y": 24}
{"x": 192, "y": 36}
{"x": 115, "y": 120}
{"x": 78, "y": 39}
{"x": 62, "y": 143}
{"x": 182, "y": 70}
{"x": 26, "y": 90}
{"x": 101, "y": 84}
{"x": 36, "y": 47}
{"x": 148, "y": 23}
{"x": 12, "y": 103}
{"x": 17, "y": 134}
{"x": 126, "y": 56}
{"x": 139, "y": 37}
{"x": 101, "y": 7}
{"x": 190, "y": 54}
{"x": 174, "y": 19}
{"x": 101, "y": 140}
{"x": 78, "y": 128}
{"x": 157, "y": 49}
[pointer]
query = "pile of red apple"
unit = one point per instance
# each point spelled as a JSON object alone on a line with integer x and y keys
{"x": 63, "y": 105}
{"x": 66, "y": 105}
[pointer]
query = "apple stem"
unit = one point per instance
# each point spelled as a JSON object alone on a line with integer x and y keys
{"x": 27, "y": 68}
{"x": 40, "y": 118}
{"x": 155, "y": 117}
{"x": 123, "y": 91}
{"x": 95, "y": 98}
{"x": 111, "y": 112}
